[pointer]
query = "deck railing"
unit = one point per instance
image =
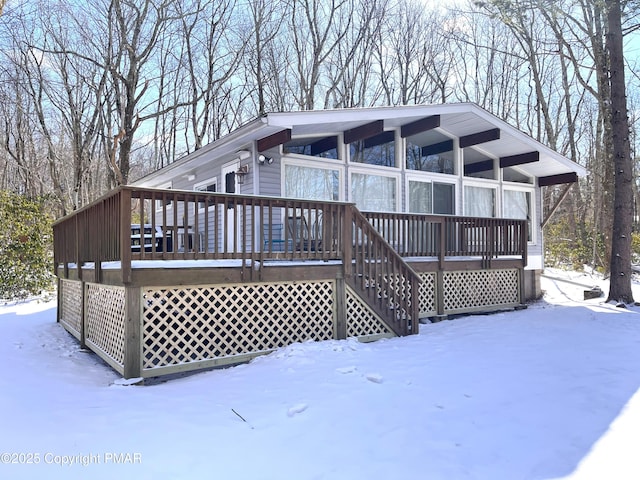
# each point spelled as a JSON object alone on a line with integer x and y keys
{"x": 132, "y": 224}
{"x": 441, "y": 236}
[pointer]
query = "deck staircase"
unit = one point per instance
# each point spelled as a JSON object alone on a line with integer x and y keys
{"x": 381, "y": 277}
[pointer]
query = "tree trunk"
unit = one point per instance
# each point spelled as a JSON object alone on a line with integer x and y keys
{"x": 620, "y": 284}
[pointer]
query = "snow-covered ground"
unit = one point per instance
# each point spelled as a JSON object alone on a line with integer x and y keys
{"x": 550, "y": 392}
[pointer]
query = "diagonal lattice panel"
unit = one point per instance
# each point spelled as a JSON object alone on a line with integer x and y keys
{"x": 190, "y": 324}
{"x": 71, "y": 306}
{"x": 361, "y": 320}
{"x": 427, "y": 294}
{"x": 474, "y": 289}
{"x": 106, "y": 319}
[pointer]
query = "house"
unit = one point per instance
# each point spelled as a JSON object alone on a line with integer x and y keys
{"x": 308, "y": 225}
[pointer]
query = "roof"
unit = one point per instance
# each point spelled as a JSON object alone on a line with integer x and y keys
{"x": 455, "y": 120}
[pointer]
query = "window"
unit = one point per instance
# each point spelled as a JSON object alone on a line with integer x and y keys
{"x": 479, "y": 201}
{"x": 420, "y": 197}
{"x": 311, "y": 183}
{"x": 374, "y": 192}
{"x": 159, "y": 206}
{"x": 431, "y": 197}
{"x": 210, "y": 185}
{"x": 517, "y": 204}
{"x": 510, "y": 174}
{"x": 376, "y": 150}
{"x": 430, "y": 154}
{"x": 326, "y": 147}
{"x": 477, "y": 165}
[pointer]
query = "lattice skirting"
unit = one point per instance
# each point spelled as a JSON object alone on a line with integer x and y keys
{"x": 193, "y": 324}
{"x": 362, "y": 321}
{"x": 105, "y": 321}
{"x": 427, "y": 295}
{"x": 478, "y": 289}
{"x": 71, "y": 306}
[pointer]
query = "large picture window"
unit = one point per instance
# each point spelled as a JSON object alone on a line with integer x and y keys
{"x": 479, "y": 201}
{"x": 311, "y": 183}
{"x": 374, "y": 192}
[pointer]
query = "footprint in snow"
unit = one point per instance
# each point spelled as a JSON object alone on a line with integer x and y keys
{"x": 344, "y": 370}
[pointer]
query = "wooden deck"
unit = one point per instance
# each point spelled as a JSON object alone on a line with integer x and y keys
{"x": 159, "y": 281}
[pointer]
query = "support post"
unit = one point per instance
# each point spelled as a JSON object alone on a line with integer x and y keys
{"x": 132, "y": 337}
{"x": 84, "y": 288}
{"x": 341, "y": 308}
{"x": 440, "y": 292}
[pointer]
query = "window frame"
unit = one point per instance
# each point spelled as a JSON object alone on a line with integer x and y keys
{"x": 304, "y": 161}
{"x": 384, "y": 172}
{"x": 207, "y": 182}
{"x": 432, "y": 178}
{"x": 532, "y": 225}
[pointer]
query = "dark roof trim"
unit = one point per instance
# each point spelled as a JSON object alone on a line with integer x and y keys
{"x": 274, "y": 140}
{"x": 436, "y": 148}
{"x": 519, "y": 159}
{"x": 380, "y": 139}
{"x": 570, "y": 177}
{"x": 422, "y": 125}
{"x": 480, "y": 137}
{"x": 363, "y": 131}
{"x": 324, "y": 145}
{"x": 477, "y": 167}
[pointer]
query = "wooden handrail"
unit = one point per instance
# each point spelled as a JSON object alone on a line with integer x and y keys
{"x": 420, "y": 235}
{"x": 381, "y": 275}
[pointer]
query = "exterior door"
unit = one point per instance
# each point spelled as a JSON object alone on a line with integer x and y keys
{"x": 231, "y": 186}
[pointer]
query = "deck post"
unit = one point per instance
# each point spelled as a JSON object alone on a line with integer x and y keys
{"x": 341, "y": 308}
{"x": 83, "y": 309}
{"x": 125, "y": 234}
{"x": 132, "y": 337}
{"x": 440, "y": 292}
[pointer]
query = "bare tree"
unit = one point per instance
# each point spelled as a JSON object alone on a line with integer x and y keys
{"x": 620, "y": 283}
{"x": 316, "y": 28}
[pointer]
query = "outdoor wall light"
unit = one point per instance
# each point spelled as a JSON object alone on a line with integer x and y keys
{"x": 263, "y": 159}
{"x": 242, "y": 171}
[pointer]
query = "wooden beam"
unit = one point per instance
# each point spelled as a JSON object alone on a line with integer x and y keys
{"x": 571, "y": 177}
{"x": 479, "y": 137}
{"x": 384, "y": 137}
{"x": 324, "y": 145}
{"x": 363, "y": 131}
{"x": 519, "y": 159}
{"x": 419, "y": 126}
{"x": 274, "y": 140}
{"x": 563, "y": 195}
{"x": 436, "y": 148}
{"x": 477, "y": 167}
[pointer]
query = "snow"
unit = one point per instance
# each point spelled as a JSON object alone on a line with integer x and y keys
{"x": 550, "y": 392}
